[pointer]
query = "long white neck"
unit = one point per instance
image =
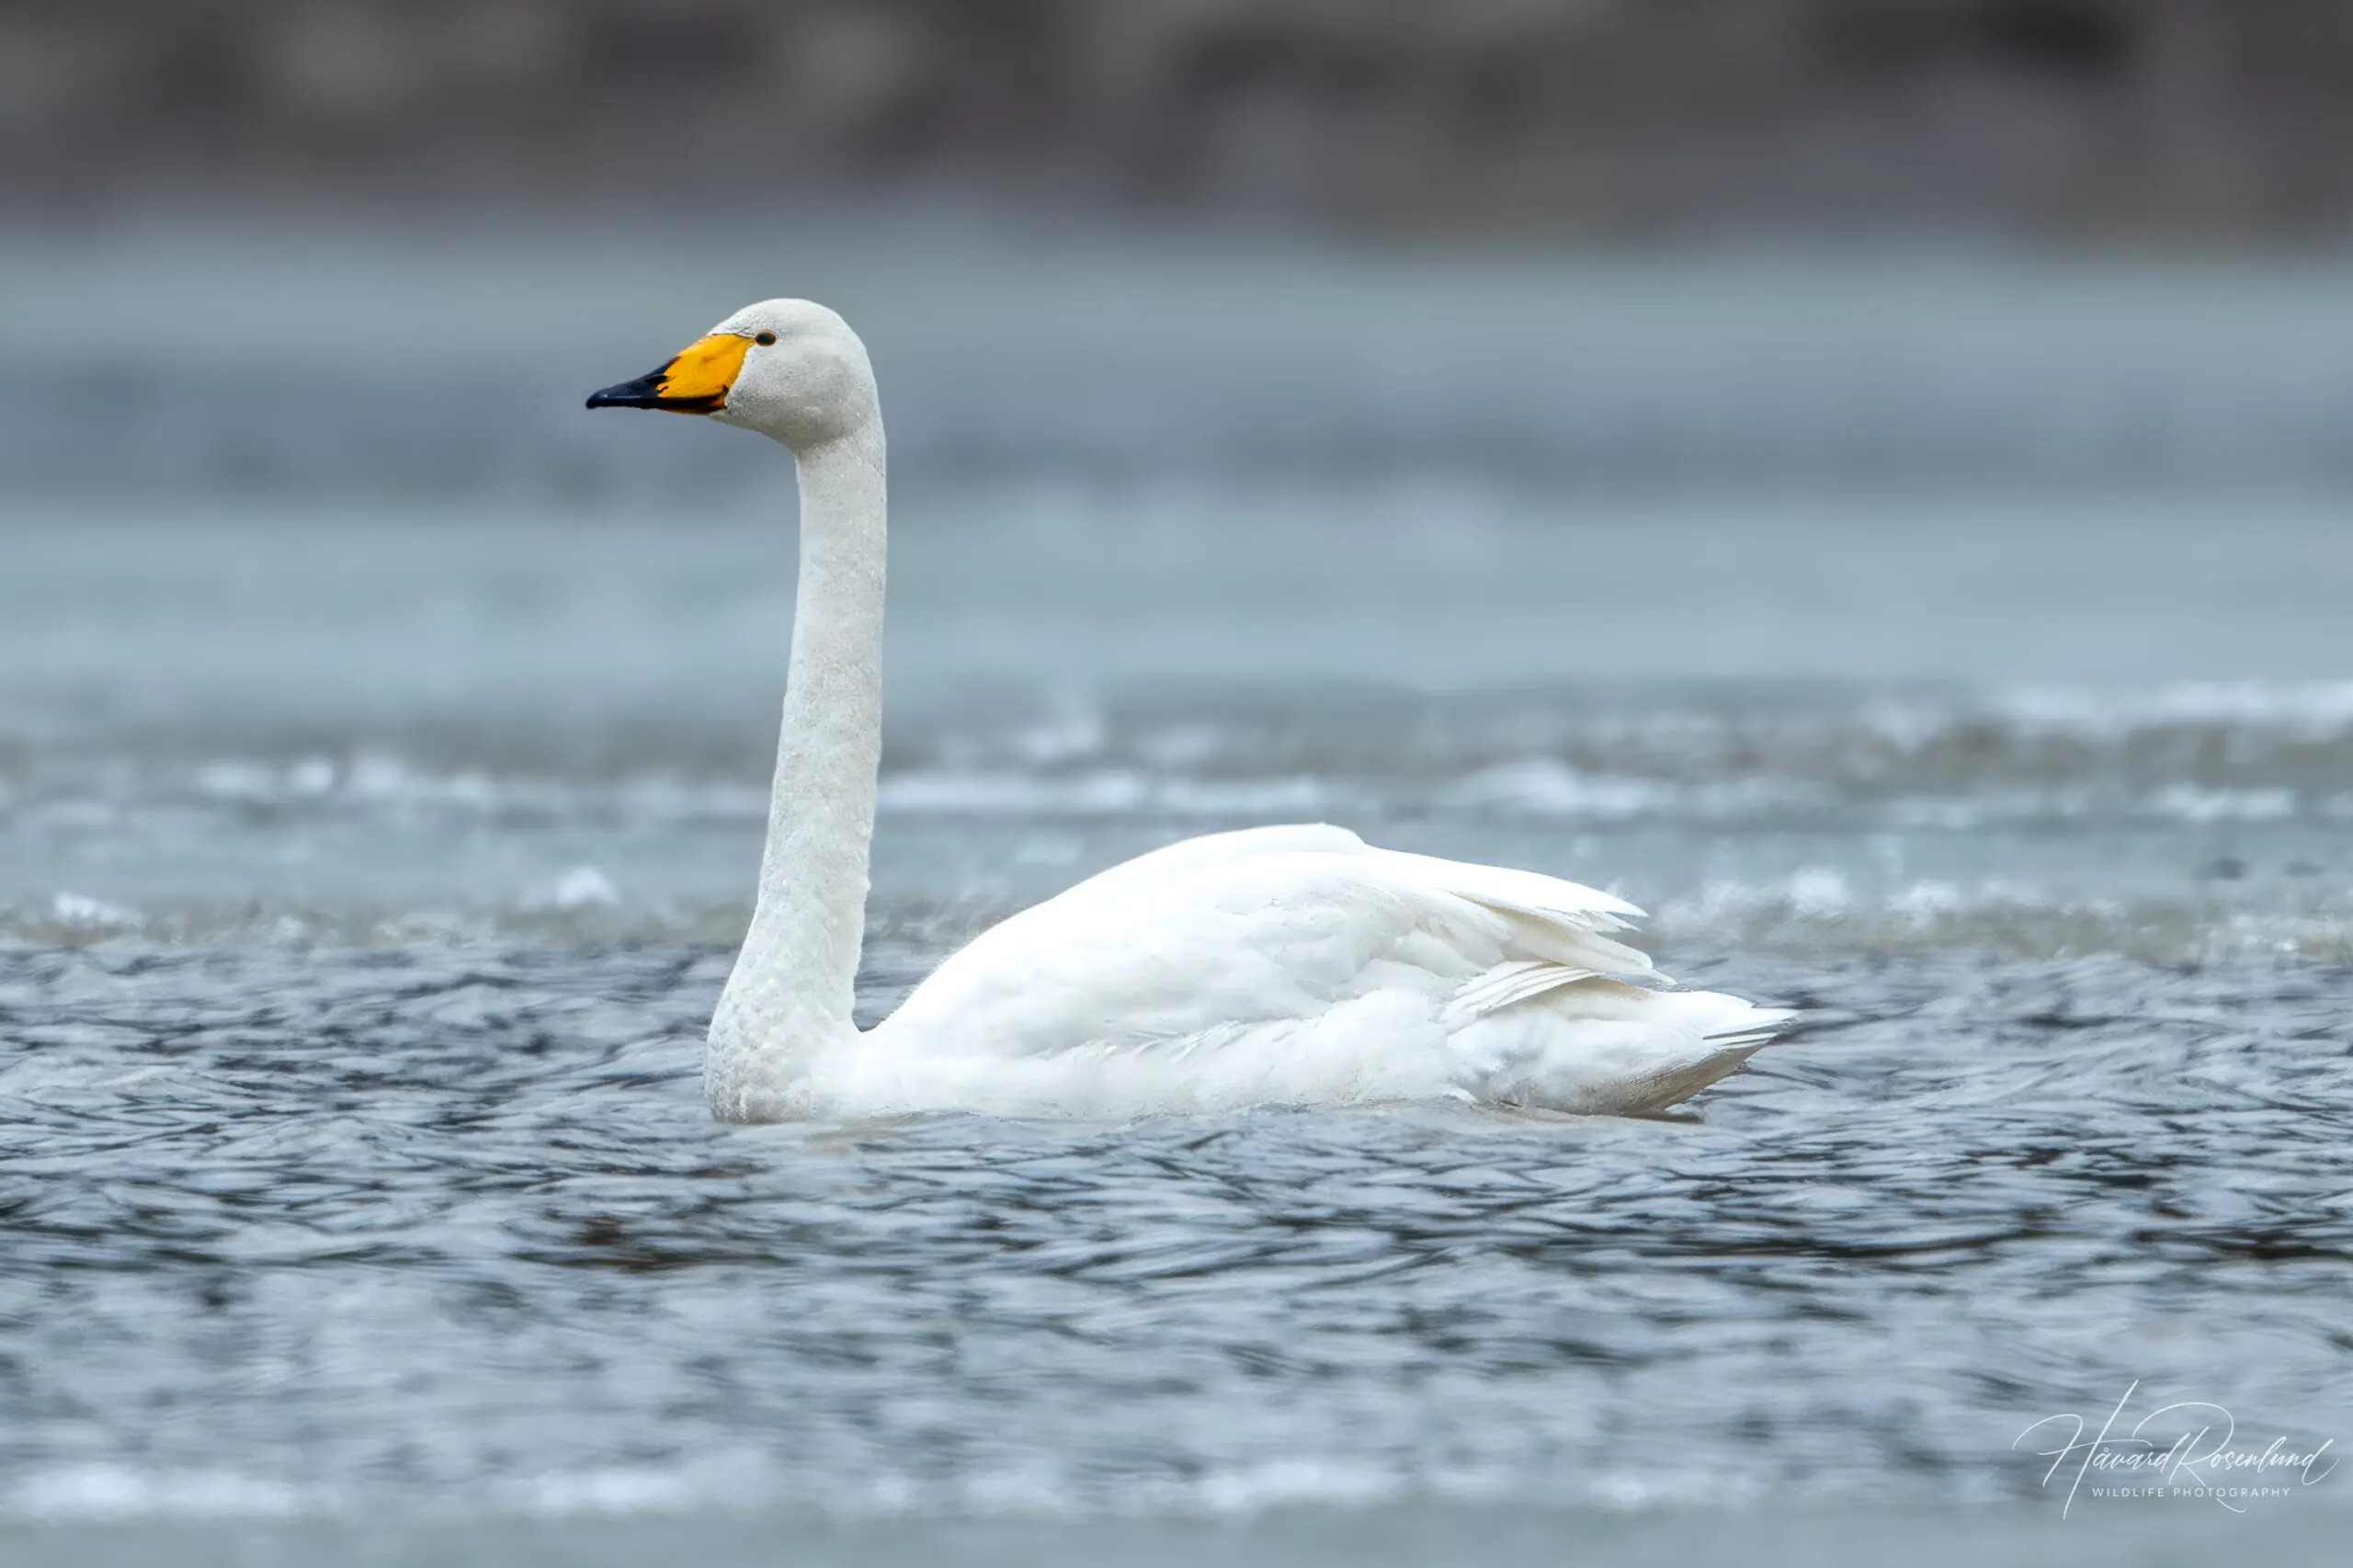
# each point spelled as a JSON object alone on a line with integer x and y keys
{"x": 792, "y": 990}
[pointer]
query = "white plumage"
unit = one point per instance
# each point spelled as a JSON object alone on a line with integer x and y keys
{"x": 1293, "y": 964}
{"x": 1273, "y": 965}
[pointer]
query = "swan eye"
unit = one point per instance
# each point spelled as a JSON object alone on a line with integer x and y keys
{"x": 764, "y": 339}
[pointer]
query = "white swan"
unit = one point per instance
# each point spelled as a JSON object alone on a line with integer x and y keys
{"x": 1271, "y": 965}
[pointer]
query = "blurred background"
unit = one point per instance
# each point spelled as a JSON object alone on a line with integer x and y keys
{"x": 1867, "y": 479}
{"x": 1993, "y": 346}
{"x": 1974, "y": 235}
{"x": 2173, "y": 120}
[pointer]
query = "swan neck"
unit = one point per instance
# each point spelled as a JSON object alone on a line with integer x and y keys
{"x": 793, "y": 986}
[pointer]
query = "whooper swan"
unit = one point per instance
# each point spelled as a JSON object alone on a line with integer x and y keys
{"x": 1273, "y": 965}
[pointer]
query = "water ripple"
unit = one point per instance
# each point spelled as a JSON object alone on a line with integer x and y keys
{"x": 450, "y": 1225}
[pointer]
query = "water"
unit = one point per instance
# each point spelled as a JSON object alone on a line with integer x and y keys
{"x": 1883, "y": 718}
{"x": 369, "y": 864}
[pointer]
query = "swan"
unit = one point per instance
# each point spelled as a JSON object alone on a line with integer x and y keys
{"x": 1272, "y": 965}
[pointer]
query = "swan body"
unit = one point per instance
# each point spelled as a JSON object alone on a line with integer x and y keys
{"x": 1274, "y": 965}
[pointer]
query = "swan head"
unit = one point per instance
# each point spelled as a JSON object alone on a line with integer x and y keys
{"x": 789, "y": 368}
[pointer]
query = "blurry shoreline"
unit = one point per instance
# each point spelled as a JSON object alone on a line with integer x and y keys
{"x": 2171, "y": 120}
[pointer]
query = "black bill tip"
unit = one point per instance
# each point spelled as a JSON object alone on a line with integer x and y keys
{"x": 643, "y": 393}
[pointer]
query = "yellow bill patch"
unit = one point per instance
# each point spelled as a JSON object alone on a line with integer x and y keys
{"x": 695, "y": 381}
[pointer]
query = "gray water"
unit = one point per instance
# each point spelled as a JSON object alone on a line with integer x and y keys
{"x": 369, "y": 861}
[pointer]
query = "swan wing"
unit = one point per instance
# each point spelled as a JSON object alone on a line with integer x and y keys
{"x": 1227, "y": 929}
{"x": 1298, "y": 963}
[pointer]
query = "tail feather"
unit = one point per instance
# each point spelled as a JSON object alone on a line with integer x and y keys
{"x": 1601, "y": 1047}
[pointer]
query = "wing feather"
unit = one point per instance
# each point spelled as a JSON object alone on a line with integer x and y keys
{"x": 1506, "y": 983}
{"x": 1530, "y": 893}
{"x": 1278, "y": 964}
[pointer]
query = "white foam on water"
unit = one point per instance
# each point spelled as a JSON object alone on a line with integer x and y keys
{"x": 79, "y": 909}
{"x": 2303, "y": 709}
{"x": 2190, "y": 803}
{"x": 1102, "y": 792}
{"x": 118, "y": 1492}
{"x": 582, "y": 887}
{"x": 1551, "y": 787}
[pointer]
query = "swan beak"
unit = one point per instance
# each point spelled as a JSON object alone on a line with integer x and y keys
{"x": 695, "y": 381}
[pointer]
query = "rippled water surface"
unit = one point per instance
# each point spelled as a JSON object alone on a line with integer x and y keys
{"x": 303, "y": 1226}
{"x": 355, "y": 1161}
{"x": 369, "y": 866}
